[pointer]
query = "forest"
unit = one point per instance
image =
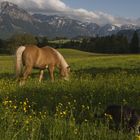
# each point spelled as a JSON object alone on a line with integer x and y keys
{"x": 114, "y": 44}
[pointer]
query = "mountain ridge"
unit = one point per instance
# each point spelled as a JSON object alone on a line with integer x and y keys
{"x": 14, "y": 19}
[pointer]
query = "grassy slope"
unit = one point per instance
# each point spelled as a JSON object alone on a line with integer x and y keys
{"x": 84, "y": 60}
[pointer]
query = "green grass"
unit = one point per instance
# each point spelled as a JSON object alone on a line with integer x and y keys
{"x": 65, "y": 110}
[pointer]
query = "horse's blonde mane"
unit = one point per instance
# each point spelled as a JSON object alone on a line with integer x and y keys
{"x": 62, "y": 60}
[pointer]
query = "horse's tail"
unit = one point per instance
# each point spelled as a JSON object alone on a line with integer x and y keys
{"x": 19, "y": 63}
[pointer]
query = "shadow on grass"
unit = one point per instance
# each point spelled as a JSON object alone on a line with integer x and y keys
{"x": 12, "y": 76}
{"x": 105, "y": 71}
{"x": 92, "y": 71}
{"x": 5, "y": 75}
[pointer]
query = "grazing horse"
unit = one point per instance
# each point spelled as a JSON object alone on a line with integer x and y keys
{"x": 31, "y": 56}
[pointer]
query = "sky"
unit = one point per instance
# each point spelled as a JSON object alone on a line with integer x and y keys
{"x": 123, "y": 8}
{"x": 116, "y": 12}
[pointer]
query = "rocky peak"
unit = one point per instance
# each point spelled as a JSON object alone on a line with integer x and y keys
{"x": 6, "y": 5}
{"x": 14, "y": 12}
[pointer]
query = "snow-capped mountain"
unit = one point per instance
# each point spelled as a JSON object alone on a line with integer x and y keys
{"x": 108, "y": 29}
{"x": 17, "y": 20}
{"x": 129, "y": 26}
{"x": 12, "y": 10}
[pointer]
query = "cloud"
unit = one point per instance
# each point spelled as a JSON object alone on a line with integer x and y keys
{"x": 60, "y": 8}
{"x": 40, "y": 5}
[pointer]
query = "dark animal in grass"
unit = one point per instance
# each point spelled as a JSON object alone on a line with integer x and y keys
{"x": 122, "y": 117}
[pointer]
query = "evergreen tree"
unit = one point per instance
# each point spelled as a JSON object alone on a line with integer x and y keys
{"x": 134, "y": 44}
{"x": 1, "y": 46}
{"x": 42, "y": 41}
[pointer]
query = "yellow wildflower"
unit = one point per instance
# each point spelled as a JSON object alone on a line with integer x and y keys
{"x": 137, "y": 137}
{"x": 24, "y": 109}
{"x": 88, "y": 107}
{"x": 24, "y": 103}
{"x": 75, "y": 131}
{"x": 108, "y": 116}
{"x": 10, "y": 101}
{"x": 15, "y": 107}
{"x": 86, "y": 120}
{"x": 64, "y": 113}
{"x": 5, "y": 103}
{"x": 27, "y": 122}
{"x": 83, "y": 106}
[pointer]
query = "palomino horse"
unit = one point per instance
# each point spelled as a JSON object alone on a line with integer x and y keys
{"x": 30, "y": 56}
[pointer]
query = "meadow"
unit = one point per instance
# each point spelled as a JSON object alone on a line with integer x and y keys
{"x": 65, "y": 110}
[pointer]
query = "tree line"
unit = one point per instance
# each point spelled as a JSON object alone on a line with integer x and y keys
{"x": 107, "y": 44}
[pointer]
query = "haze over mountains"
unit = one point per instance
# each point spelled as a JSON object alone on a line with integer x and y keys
{"x": 14, "y": 19}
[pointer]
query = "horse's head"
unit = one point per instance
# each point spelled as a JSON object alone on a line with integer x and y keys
{"x": 65, "y": 73}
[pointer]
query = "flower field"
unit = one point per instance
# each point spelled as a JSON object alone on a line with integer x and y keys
{"x": 66, "y": 110}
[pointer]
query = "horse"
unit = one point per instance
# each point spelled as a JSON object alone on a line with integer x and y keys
{"x": 31, "y": 56}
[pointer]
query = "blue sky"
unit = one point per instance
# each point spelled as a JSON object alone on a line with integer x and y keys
{"x": 123, "y": 8}
{"x": 102, "y": 12}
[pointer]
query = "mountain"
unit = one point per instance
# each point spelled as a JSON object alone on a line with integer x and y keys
{"x": 12, "y": 10}
{"x": 108, "y": 29}
{"x": 64, "y": 26}
{"x": 14, "y": 19}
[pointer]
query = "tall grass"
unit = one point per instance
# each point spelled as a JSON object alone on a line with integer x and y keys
{"x": 66, "y": 110}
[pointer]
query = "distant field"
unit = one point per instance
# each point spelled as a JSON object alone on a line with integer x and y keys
{"x": 60, "y": 41}
{"x": 65, "y": 110}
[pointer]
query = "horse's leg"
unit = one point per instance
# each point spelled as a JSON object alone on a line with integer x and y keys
{"x": 26, "y": 72}
{"x": 41, "y": 75}
{"x": 51, "y": 69}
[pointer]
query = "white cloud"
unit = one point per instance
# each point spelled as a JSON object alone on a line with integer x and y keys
{"x": 60, "y": 8}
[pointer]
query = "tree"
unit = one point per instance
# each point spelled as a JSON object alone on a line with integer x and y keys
{"x": 1, "y": 46}
{"x": 20, "y": 39}
{"x": 134, "y": 44}
{"x": 42, "y": 41}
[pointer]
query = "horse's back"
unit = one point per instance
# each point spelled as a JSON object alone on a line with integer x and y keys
{"x": 30, "y": 54}
{"x": 31, "y": 48}
{"x": 55, "y": 56}
{"x": 42, "y": 57}
{"x": 50, "y": 54}
{"x": 49, "y": 51}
